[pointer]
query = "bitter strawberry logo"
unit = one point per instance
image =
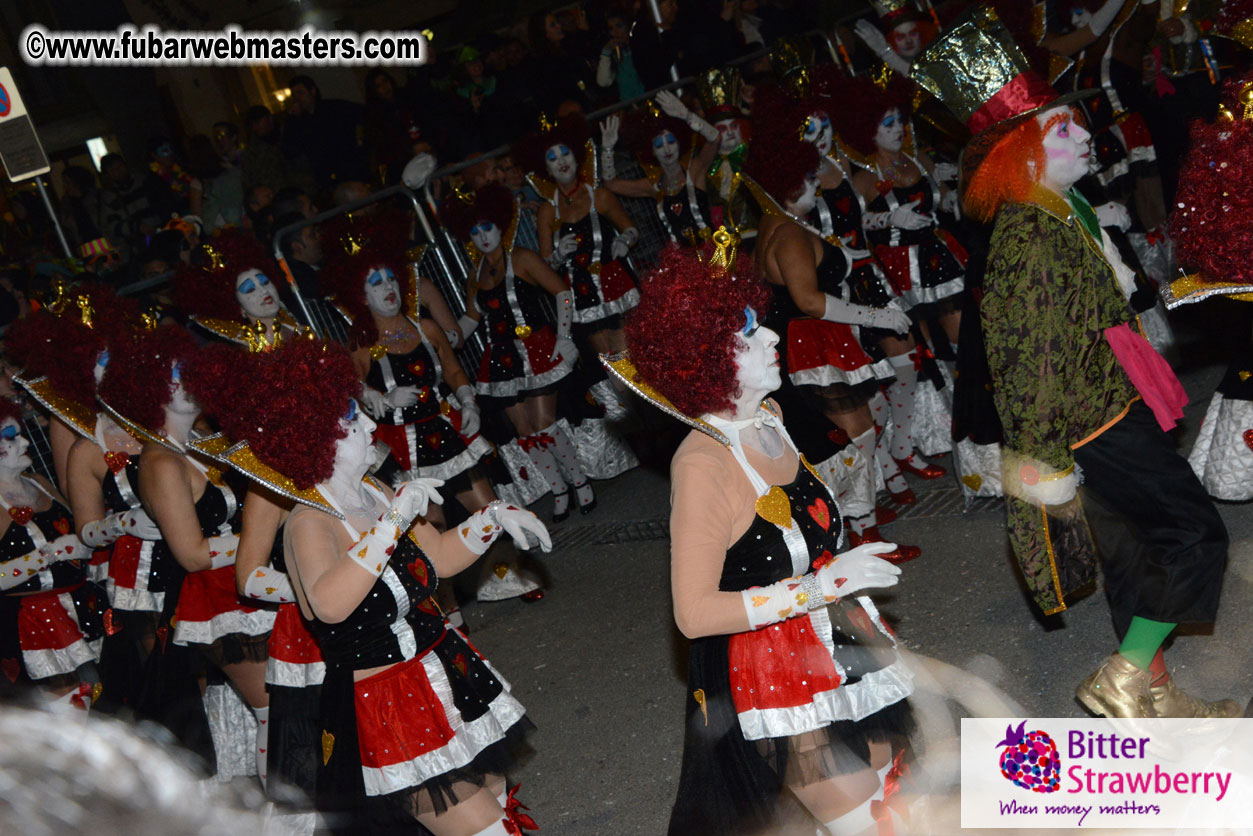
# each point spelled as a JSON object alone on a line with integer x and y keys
{"x": 1030, "y": 759}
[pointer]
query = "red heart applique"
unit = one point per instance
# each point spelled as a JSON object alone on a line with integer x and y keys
{"x": 428, "y": 607}
{"x": 62, "y": 525}
{"x": 676, "y": 208}
{"x": 21, "y": 514}
{"x": 111, "y": 627}
{"x": 1248, "y": 438}
{"x": 460, "y": 663}
{"x": 418, "y": 368}
{"x": 12, "y": 668}
{"x": 432, "y": 441}
{"x": 424, "y": 394}
{"x": 418, "y": 569}
{"x": 918, "y": 196}
{"x": 582, "y": 259}
{"x": 823, "y": 560}
{"x": 844, "y": 205}
{"x": 883, "y": 186}
{"x": 493, "y": 303}
{"x": 820, "y": 513}
{"x": 116, "y": 461}
{"x": 522, "y": 473}
{"x": 163, "y": 634}
{"x": 860, "y": 620}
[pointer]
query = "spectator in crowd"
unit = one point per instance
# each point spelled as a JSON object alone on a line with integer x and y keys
{"x": 558, "y": 74}
{"x": 217, "y": 194}
{"x": 325, "y": 132}
{"x": 78, "y": 190}
{"x": 655, "y": 45}
{"x": 168, "y": 184}
{"x": 476, "y": 85}
{"x": 292, "y": 199}
{"x": 617, "y": 66}
{"x": 262, "y": 162}
{"x": 393, "y": 133}
{"x": 121, "y": 209}
{"x": 302, "y": 249}
{"x": 257, "y": 202}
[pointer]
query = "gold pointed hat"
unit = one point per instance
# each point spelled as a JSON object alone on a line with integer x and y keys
{"x": 719, "y": 93}
{"x": 239, "y": 455}
{"x": 791, "y": 59}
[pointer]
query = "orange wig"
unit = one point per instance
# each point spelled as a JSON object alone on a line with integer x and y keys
{"x": 1008, "y": 170}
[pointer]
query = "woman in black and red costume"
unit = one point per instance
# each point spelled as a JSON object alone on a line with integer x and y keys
{"x": 759, "y": 575}
{"x": 415, "y": 721}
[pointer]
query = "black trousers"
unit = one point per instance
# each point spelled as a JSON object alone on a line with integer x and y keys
{"x": 1163, "y": 546}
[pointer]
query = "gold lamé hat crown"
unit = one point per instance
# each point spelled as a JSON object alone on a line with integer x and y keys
{"x": 719, "y": 92}
{"x": 725, "y": 247}
{"x": 791, "y": 58}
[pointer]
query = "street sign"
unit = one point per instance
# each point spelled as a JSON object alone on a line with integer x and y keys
{"x": 20, "y": 150}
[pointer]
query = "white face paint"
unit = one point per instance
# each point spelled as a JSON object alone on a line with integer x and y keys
{"x": 256, "y": 295}
{"x": 562, "y": 167}
{"x": 908, "y": 40}
{"x": 382, "y": 292}
{"x": 181, "y": 402}
{"x": 1080, "y": 17}
{"x": 486, "y": 236}
{"x": 730, "y": 135}
{"x": 818, "y": 131}
{"x": 808, "y": 199}
{"x": 353, "y": 450}
{"x": 13, "y": 457}
{"x": 756, "y": 359}
{"x": 666, "y": 148}
{"x": 1067, "y": 149}
{"x": 890, "y": 135}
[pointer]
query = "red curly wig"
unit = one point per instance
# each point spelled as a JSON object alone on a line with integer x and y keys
{"x": 64, "y": 349}
{"x": 295, "y": 425}
{"x": 492, "y": 203}
{"x": 208, "y": 291}
{"x": 778, "y": 159}
{"x": 860, "y": 106}
{"x": 10, "y": 409}
{"x": 571, "y": 131}
{"x": 343, "y": 277}
{"x": 643, "y": 126}
{"x": 139, "y": 381}
{"x": 683, "y": 337}
{"x": 1004, "y": 166}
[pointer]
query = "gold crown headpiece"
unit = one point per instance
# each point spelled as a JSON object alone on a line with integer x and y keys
{"x": 726, "y": 241}
{"x": 545, "y": 123}
{"x": 791, "y": 58}
{"x": 258, "y": 339}
{"x": 352, "y": 242}
{"x": 216, "y": 261}
{"x": 1245, "y": 98}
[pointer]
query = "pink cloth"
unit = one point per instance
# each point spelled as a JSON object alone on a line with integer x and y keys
{"x": 1149, "y": 373}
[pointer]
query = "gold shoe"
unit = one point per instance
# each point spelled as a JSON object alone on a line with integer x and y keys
{"x": 1117, "y": 689}
{"x": 1170, "y": 700}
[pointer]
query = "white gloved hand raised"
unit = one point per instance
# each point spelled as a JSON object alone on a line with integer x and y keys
{"x": 609, "y": 132}
{"x": 872, "y": 37}
{"x": 620, "y": 247}
{"x": 481, "y": 530}
{"x": 945, "y": 172}
{"x": 414, "y": 497}
{"x": 373, "y": 402}
{"x": 671, "y": 105}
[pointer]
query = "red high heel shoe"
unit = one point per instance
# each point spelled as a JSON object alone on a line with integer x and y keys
{"x": 931, "y": 471}
{"x": 901, "y": 554}
{"x": 883, "y": 515}
{"x": 905, "y": 497}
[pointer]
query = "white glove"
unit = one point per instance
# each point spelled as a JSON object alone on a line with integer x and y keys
{"x": 401, "y": 397}
{"x": 100, "y": 533}
{"x": 565, "y": 313}
{"x": 945, "y": 172}
{"x": 1113, "y": 214}
{"x": 905, "y": 216}
{"x": 563, "y": 247}
{"x": 414, "y": 497}
{"x": 222, "y": 549}
{"x": 951, "y": 204}
{"x": 888, "y": 318}
{"x": 269, "y": 584}
{"x": 373, "y": 402}
{"x": 470, "y": 420}
{"x": 609, "y": 133}
{"x": 65, "y": 547}
{"x": 418, "y": 171}
{"x": 857, "y": 569}
{"x": 1052, "y": 491}
{"x": 481, "y": 530}
{"x": 565, "y": 348}
{"x": 467, "y": 324}
{"x": 375, "y": 547}
{"x": 623, "y": 241}
{"x": 671, "y": 105}
{"x": 872, "y": 37}
{"x": 453, "y": 336}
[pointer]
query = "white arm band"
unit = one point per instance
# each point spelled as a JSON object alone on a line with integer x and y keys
{"x": 767, "y": 605}
{"x": 838, "y": 310}
{"x": 565, "y": 313}
{"x": 700, "y": 126}
{"x": 222, "y": 550}
{"x": 65, "y": 547}
{"x": 374, "y": 549}
{"x": 18, "y": 570}
{"x": 608, "y": 169}
{"x": 269, "y": 584}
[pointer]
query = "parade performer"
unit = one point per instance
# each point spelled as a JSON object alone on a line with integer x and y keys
{"x": 1084, "y": 399}
{"x": 835, "y": 369}
{"x": 196, "y": 510}
{"x": 758, "y": 576}
{"x": 573, "y": 236}
{"x": 674, "y": 178}
{"x": 229, "y": 291}
{"x": 526, "y": 359}
{"x": 415, "y": 723}
{"x": 61, "y": 614}
{"x": 414, "y": 386}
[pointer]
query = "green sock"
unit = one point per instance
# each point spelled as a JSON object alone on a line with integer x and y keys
{"x": 1143, "y": 639}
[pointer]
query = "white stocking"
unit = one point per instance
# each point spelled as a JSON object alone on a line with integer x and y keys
{"x": 567, "y": 457}
{"x": 263, "y": 741}
{"x": 860, "y": 821}
{"x": 865, "y": 444}
{"x": 497, "y": 829}
{"x": 901, "y": 399}
{"x": 888, "y": 468}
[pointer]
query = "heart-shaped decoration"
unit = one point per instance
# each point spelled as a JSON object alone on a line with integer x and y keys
{"x": 62, "y": 526}
{"x": 418, "y": 367}
{"x": 1248, "y": 439}
{"x": 974, "y": 481}
{"x": 820, "y": 513}
{"x": 501, "y": 327}
{"x": 844, "y": 205}
{"x": 861, "y": 620}
{"x": 583, "y": 259}
{"x": 429, "y": 607}
{"x": 163, "y": 635}
{"x": 849, "y": 461}
{"x": 432, "y": 441}
{"x": 823, "y": 559}
{"x": 883, "y": 186}
{"x": 424, "y": 394}
{"x": 111, "y": 626}
{"x": 493, "y": 303}
{"x": 838, "y": 437}
{"x": 918, "y": 196}
{"x": 775, "y": 507}
{"x": 12, "y": 668}
{"x": 460, "y": 663}
{"x": 676, "y": 208}
{"x": 500, "y": 570}
{"x": 21, "y": 514}
{"x": 328, "y": 746}
{"x": 116, "y": 461}
{"x": 418, "y": 569}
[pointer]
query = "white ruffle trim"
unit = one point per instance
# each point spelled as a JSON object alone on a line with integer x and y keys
{"x": 923, "y": 295}
{"x": 468, "y": 738}
{"x": 256, "y": 623}
{"x": 604, "y": 310}
{"x": 827, "y": 375}
{"x": 1220, "y": 458}
{"x": 134, "y": 600}
{"x": 459, "y": 463}
{"x": 294, "y": 674}
{"x": 525, "y": 383}
{"x": 41, "y": 664}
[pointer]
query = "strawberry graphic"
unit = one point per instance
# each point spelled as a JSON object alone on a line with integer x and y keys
{"x": 1030, "y": 759}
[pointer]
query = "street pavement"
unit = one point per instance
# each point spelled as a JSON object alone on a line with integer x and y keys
{"x": 600, "y": 665}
